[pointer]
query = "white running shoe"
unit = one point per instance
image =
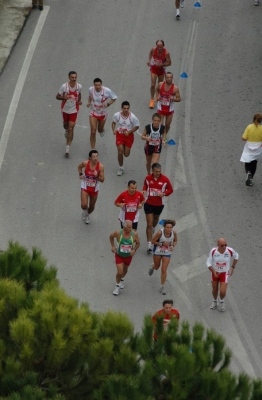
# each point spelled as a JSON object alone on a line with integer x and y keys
{"x": 84, "y": 214}
{"x": 177, "y": 15}
{"x": 256, "y": 3}
{"x": 122, "y": 284}
{"x": 182, "y": 3}
{"x": 162, "y": 290}
{"x": 87, "y": 220}
{"x": 120, "y": 172}
{"x": 102, "y": 133}
{"x": 67, "y": 151}
{"x": 149, "y": 247}
{"x": 117, "y": 290}
{"x": 213, "y": 305}
{"x": 221, "y": 306}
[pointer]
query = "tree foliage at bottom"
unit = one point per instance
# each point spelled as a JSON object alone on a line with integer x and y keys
{"x": 52, "y": 347}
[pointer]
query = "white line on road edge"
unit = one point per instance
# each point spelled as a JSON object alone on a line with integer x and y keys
{"x": 20, "y": 84}
{"x": 191, "y": 270}
{"x": 246, "y": 363}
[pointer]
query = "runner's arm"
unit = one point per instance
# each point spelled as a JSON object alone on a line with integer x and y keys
{"x": 150, "y": 56}
{"x": 167, "y": 61}
{"x": 144, "y": 136}
{"x": 62, "y": 96}
{"x": 176, "y": 96}
{"x": 89, "y": 101}
{"x": 79, "y": 99}
{"x": 101, "y": 176}
{"x": 113, "y": 125}
{"x": 112, "y": 237}
{"x": 80, "y": 169}
{"x": 164, "y": 138}
{"x": 169, "y": 189}
{"x": 155, "y": 238}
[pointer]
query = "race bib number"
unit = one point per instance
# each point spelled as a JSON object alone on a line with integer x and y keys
{"x": 154, "y": 142}
{"x": 90, "y": 182}
{"x": 221, "y": 265}
{"x": 125, "y": 248}
{"x": 154, "y": 192}
{"x": 165, "y": 102}
{"x": 131, "y": 209}
{"x": 162, "y": 249}
{"x": 122, "y": 130}
{"x": 98, "y": 106}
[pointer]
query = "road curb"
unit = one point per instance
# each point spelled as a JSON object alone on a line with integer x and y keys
{"x": 13, "y": 17}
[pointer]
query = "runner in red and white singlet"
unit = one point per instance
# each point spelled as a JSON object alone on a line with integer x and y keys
{"x": 70, "y": 94}
{"x": 91, "y": 173}
{"x": 167, "y": 94}
{"x": 124, "y": 125}
{"x": 219, "y": 263}
{"x": 130, "y": 202}
{"x": 99, "y": 99}
{"x": 158, "y": 59}
{"x": 167, "y": 313}
{"x": 156, "y": 187}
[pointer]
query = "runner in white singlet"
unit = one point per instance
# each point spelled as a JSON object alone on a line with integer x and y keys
{"x": 70, "y": 94}
{"x": 164, "y": 242}
{"x": 99, "y": 99}
{"x": 124, "y": 125}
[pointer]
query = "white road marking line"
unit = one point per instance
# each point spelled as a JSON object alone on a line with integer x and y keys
{"x": 186, "y": 222}
{"x": 191, "y": 270}
{"x": 180, "y": 180}
{"x": 20, "y": 83}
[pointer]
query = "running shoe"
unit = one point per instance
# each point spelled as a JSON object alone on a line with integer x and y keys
{"x": 66, "y": 133}
{"x": 152, "y": 103}
{"x": 221, "y": 306}
{"x": 182, "y": 3}
{"x": 256, "y": 3}
{"x": 162, "y": 290}
{"x": 120, "y": 172}
{"x": 249, "y": 180}
{"x": 116, "y": 291}
{"x": 122, "y": 284}
{"x": 41, "y": 8}
{"x": 149, "y": 247}
{"x": 67, "y": 151}
{"x": 84, "y": 213}
{"x": 102, "y": 133}
{"x": 177, "y": 15}
{"x": 151, "y": 270}
{"x": 87, "y": 220}
{"x": 213, "y": 305}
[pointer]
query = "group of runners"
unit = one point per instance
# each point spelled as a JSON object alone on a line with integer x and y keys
{"x": 125, "y": 241}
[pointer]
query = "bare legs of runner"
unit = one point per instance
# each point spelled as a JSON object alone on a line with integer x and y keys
{"x": 154, "y": 158}
{"x": 95, "y": 124}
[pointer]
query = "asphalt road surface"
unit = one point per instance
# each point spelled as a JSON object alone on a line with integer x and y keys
{"x": 219, "y": 47}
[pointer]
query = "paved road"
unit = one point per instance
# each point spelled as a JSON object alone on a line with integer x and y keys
{"x": 39, "y": 194}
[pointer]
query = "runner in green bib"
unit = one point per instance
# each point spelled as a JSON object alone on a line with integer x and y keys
{"x": 127, "y": 244}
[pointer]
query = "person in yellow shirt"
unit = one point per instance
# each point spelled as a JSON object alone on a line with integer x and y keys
{"x": 252, "y": 151}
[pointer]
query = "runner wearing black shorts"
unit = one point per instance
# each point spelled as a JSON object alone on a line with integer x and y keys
{"x": 156, "y": 187}
{"x": 155, "y": 135}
